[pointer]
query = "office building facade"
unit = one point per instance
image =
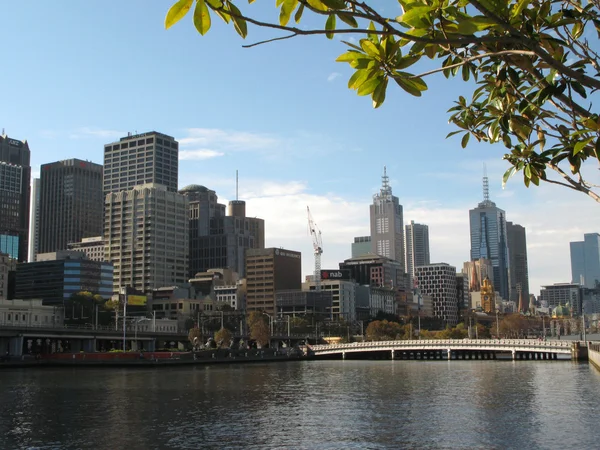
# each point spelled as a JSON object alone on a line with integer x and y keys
{"x": 387, "y": 224}
{"x": 267, "y": 271}
{"x": 489, "y": 241}
{"x": 147, "y": 237}
{"x": 71, "y": 203}
{"x": 140, "y": 159}
{"x": 439, "y": 282}
{"x": 562, "y": 294}
{"x": 518, "y": 272}
{"x": 585, "y": 261}
{"x": 15, "y": 178}
{"x": 361, "y": 246}
{"x": 34, "y": 220}
{"x": 417, "y": 247}
{"x": 92, "y": 247}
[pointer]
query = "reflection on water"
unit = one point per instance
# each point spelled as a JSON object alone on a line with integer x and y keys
{"x": 304, "y": 405}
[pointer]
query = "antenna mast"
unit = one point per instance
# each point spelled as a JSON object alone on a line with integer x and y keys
{"x": 486, "y": 185}
{"x": 236, "y": 185}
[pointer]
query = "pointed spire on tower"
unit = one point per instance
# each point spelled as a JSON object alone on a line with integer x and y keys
{"x": 486, "y": 185}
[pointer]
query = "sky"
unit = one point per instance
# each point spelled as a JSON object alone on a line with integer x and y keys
{"x": 78, "y": 75}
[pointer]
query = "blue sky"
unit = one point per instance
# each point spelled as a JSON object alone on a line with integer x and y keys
{"x": 77, "y": 75}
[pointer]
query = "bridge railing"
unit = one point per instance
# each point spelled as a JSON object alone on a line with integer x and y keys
{"x": 90, "y": 327}
{"x": 451, "y": 343}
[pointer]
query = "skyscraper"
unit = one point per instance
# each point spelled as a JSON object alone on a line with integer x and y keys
{"x": 146, "y": 235}
{"x": 139, "y": 159}
{"x": 34, "y": 220}
{"x": 219, "y": 241}
{"x": 488, "y": 239}
{"x": 518, "y": 275}
{"x": 585, "y": 260}
{"x": 71, "y": 203}
{"x": 387, "y": 224}
{"x": 417, "y": 247}
{"x": 15, "y": 177}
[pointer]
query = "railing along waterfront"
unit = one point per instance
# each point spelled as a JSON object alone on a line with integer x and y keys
{"x": 90, "y": 327}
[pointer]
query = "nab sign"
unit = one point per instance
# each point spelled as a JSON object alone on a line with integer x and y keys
{"x": 339, "y": 274}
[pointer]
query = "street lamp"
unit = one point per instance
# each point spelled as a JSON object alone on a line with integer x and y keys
{"x": 136, "y": 329}
{"x": 270, "y": 322}
{"x": 497, "y": 326}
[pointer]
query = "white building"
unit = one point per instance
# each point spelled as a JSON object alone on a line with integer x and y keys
{"x": 30, "y": 313}
{"x": 93, "y": 247}
{"x": 439, "y": 282}
{"x": 146, "y": 233}
{"x": 343, "y": 297}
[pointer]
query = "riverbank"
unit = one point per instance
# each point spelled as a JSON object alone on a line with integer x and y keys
{"x": 153, "y": 359}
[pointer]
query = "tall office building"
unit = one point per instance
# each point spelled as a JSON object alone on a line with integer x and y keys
{"x": 15, "y": 177}
{"x": 268, "y": 271}
{"x": 139, "y": 159}
{"x": 387, "y": 224}
{"x": 34, "y": 220}
{"x": 147, "y": 237}
{"x": 518, "y": 272}
{"x": 361, "y": 246}
{"x": 585, "y": 261}
{"x": 217, "y": 240}
{"x": 488, "y": 239}
{"x": 71, "y": 203}
{"x": 417, "y": 247}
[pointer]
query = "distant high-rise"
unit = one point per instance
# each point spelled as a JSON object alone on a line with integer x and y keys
{"x": 139, "y": 159}
{"x": 488, "y": 239}
{"x": 34, "y": 220}
{"x": 585, "y": 260}
{"x": 417, "y": 247}
{"x": 361, "y": 246}
{"x": 146, "y": 235}
{"x": 387, "y": 224}
{"x": 71, "y": 203}
{"x": 219, "y": 241}
{"x": 518, "y": 272}
{"x": 15, "y": 178}
{"x": 439, "y": 282}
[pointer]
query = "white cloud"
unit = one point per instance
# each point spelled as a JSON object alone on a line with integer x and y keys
{"x": 228, "y": 139}
{"x": 332, "y": 76}
{"x": 204, "y": 153}
{"x": 92, "y": 132}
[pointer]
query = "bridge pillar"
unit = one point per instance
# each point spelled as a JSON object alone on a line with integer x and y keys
{"x": 392, "y": 355}
{"x": 514, "y": 355}
{"x": 343, "y": 355}
{"x": 15, "y": 346}
{"x": 89, "y": 345}
{"x": 449, "y": 354}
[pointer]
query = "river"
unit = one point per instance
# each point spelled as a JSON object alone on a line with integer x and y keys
{"x": 305, "y": 405}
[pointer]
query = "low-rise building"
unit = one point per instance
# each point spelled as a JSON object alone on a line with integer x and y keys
{"x": 93, "y": 247}
{"x": 29, "y": 313}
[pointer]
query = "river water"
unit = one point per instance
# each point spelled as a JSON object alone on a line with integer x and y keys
{"x": 305, "y": 405}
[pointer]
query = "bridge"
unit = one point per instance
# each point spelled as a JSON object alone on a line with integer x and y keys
{"x": 452, "y": 349}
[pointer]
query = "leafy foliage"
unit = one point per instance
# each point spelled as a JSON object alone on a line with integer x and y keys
{"x": 223, "y": 337}
{"x": 532, "y": 65}
{"x": 259, "y": 328}
{"x": 383, "y": 330}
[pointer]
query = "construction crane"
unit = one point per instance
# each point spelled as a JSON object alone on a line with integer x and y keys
{"x": 317, "y": 248}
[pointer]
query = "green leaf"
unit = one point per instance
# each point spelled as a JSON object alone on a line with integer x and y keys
{"x": 330, "y": 26}
{"x": 240, "y": 25}
{"x": 519, "y": 7}
{"x": 414, "y": 17}
{"x": 358, "y": 78}
{"x": 287, "y": 8}
{"x": 578, "y": 88}
{"x": 577, "y": 30}
{"x": 465, "y": 140}
{"x": 370, "y": 48}
{"x": 298, "y": 14}
{"x": 177, "y": 12}
{"x": 201, "y": 17}
{"x": 347, "y": 19}
{"x": 579, "y": 146}
{"x": 413, "y": 86}
{"x": 334, "y": 4}
{"x": 527, "y": 171}
{"x": 379, "y": 93}
{"x": 349, "y": 56}
{"x": 317, "y": 4}
{"x": 369, "y": 86}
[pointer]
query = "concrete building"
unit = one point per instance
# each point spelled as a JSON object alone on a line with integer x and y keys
{"x": 144, "y": 158}
{"x": 15, "y": 178}
{"x": 93, "y": 247}
{"x": 146, "y": 234}
{"x": 30, "y": 313}
{"x": 488, "y": 239}
{"x": 268, "y": 271}
{"x": 477, "y": 271}
{"x": 343, "y": 298}
{"x": 518, "y": 272}
{"x": 290, "y": 303}
{"x": 559, "y": 294}
{"x": 218, "y": 240}
{"x": 71, "y": 203}
{"x": 438, "y": 281}
{"x": 54, "y": 277}
{"x": 585, "y": 261}
{"x": 417, "y": 248}
{"x": 462, "y": 291}
{"x": 387, "y": 225}
{"x": 361, "y": 246}
{"x": 34, "y": 220}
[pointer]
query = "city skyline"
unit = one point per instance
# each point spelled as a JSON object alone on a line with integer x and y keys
{"x": 289, "y": 154}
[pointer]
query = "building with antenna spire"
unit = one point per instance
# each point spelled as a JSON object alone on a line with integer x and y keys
{"x": 387, "y": 224}
{"x": 489, "y": 239}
